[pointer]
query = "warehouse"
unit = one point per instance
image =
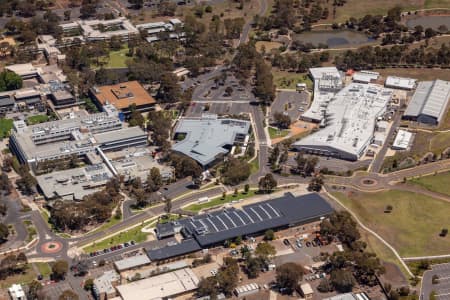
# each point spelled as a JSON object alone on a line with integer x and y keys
{"x": 211, "y": 229}
{"x": 400, "y": 83}
{"x": 429, "y": 103}
{"x": 403, "y": 140}
{"x": 350, "y": 122}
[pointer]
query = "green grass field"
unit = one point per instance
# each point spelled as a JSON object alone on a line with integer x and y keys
{"x": 412, "y": 227}
{"x": 108, "y": 224}
{"x": 5, "y": 127}
{"x": 37, "y": 119}
{"x": 437, "y": 183}
{"x": 116, "y": 59}
{"x": 289, "y": 80}
{"x": 44, "y": 268}
{"x": 276, "y": 133}
{"x": 134, "y": 234}
{"x": 25, "y": 278}
{"x": 220, "y": 201}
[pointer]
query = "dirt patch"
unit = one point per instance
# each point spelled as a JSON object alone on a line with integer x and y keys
{"x": 296, "y": 130}
{"x": 393, "y": 275}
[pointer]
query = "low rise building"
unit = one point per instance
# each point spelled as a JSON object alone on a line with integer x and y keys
{"x": 140, "y": 165}
{"x": 74, "y": 184}
{"x": 403, "y": 140}
{"x": 401, "y": 83}
{"x": 104, "y": 285}
{"x": 208, "y": 139}
{"x": 156, "y": 31}
{"x": 131, "y": 262}
{"x": 162, "y": 286}
{"x": 16, "y": 292}
{"x": 306, "y": 291}
{"x": 122, "y": 96}
{"x": 246, "y": 290}
{"x": 121, "y": 138}
{"x": 62, "y": 99}
{"x": 211, "y": 229}
{"x": 429, "y": 103}
{"x": 349, "y": 122}
{"x": 365, "y": 76}
{"x": 99, "y": 30}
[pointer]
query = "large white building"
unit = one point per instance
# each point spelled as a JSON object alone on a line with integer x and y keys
{"x": 348, "y": 122}
{"x": 429, "y": 103}
{"x": 327, "y": 81}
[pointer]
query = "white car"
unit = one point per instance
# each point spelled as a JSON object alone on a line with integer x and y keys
{"x": 214, "y": 272}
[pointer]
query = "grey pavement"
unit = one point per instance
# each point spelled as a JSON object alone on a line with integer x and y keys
{"x": 441, "y": 288}
{"x": 292, "y": 103}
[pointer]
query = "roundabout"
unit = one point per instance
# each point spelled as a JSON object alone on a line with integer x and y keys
{"x": 51, "y": 247}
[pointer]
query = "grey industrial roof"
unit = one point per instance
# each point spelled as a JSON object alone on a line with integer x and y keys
{"x": 117, "y": 135}
{"x": 208, "y": 229}
{"x": 6, "y": 101}
{"x": 350, "y": 119}
{"x": 132, "y": 262}
{"x": 185, "y": 247}
{"x": 206, "y": 137}
{"x": 430, "y": 98}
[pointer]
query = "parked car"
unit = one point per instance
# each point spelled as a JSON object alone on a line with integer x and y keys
{"x": 286, "y": 242}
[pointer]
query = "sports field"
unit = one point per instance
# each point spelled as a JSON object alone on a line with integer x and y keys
{"x": 437, "y": 183}
{"x": 412, "y": 227}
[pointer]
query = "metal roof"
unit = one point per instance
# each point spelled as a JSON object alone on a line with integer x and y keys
{"x": 212, "y": 228}
{"x": 430, "y": 98}
{"x": 132, "y": 262}
{"x": 206, "y": 137}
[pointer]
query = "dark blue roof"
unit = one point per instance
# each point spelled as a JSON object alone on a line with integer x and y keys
{"x": 185, "y": 247}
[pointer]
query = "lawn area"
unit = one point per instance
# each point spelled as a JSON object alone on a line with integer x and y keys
{"x": 412, "y": 227}
{"x": 360, "y": 8}
{"x": 37, "y": 119}
{"x": 5, "y": 127}
{"x": 276, "y": 133}
{"x": 134, "y": 234}
{"x": 219, "y": 201}
{"x": 254, "y": 165}
{"x": 44, "y": 268}
{"x": 269, "y": 46}
{"x": 108, "y": 224}
{"x": 25, "y": 278}
{"x": 116, "y": 59}
{"x": 289, "y": 80}
{"x": 437, "y": 183}
{"x": 168, "y": 218}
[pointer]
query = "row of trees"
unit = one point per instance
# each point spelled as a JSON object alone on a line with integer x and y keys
{"x": 247, "y": 61}
{"x": 352, "y": 265}
{"x": 94, "y": 208}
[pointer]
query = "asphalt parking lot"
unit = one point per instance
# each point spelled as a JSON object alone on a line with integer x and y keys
{"x": 54, "y": 290}
{"x": 197, "y": 108}
{"x": 291, "y": 102}
{"x": 441, "y": 287}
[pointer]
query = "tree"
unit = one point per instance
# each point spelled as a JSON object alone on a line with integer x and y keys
{"x": 246, "y": 188}
{"x": 316, "y": 183}
{"x": 169, "y": 91}
{"x": 68, "y": 295}
{"x": 269, "y": 235}
{"x": 88, "y": 284}
{"x": 235, "y": 171}
{"x": 137, "y": 4}
{"x": 227, "y": 277}
{"x": 288, "y": 275}
{"x": 281, "y": 120}
{"x": 267, "y": 183}
{"x": 59, "y": 269}
{"x": 168, "y": 205}
{"x": 342, "y": 280}
{"x": 67, "y": 15}
{"x": 265, "y": 250}
{"x": 253, "y": 266}
{"x": 136, "y": 118}
{"x": 35, "y": 290}
{"x": 154, "y": 180}
{"x": 208, "y": 287}
{"x": 4, "y": 232}
{"x": 325, "y": 286}
{"x": 10, "y": 81}
{"x": 444, "y": 232}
